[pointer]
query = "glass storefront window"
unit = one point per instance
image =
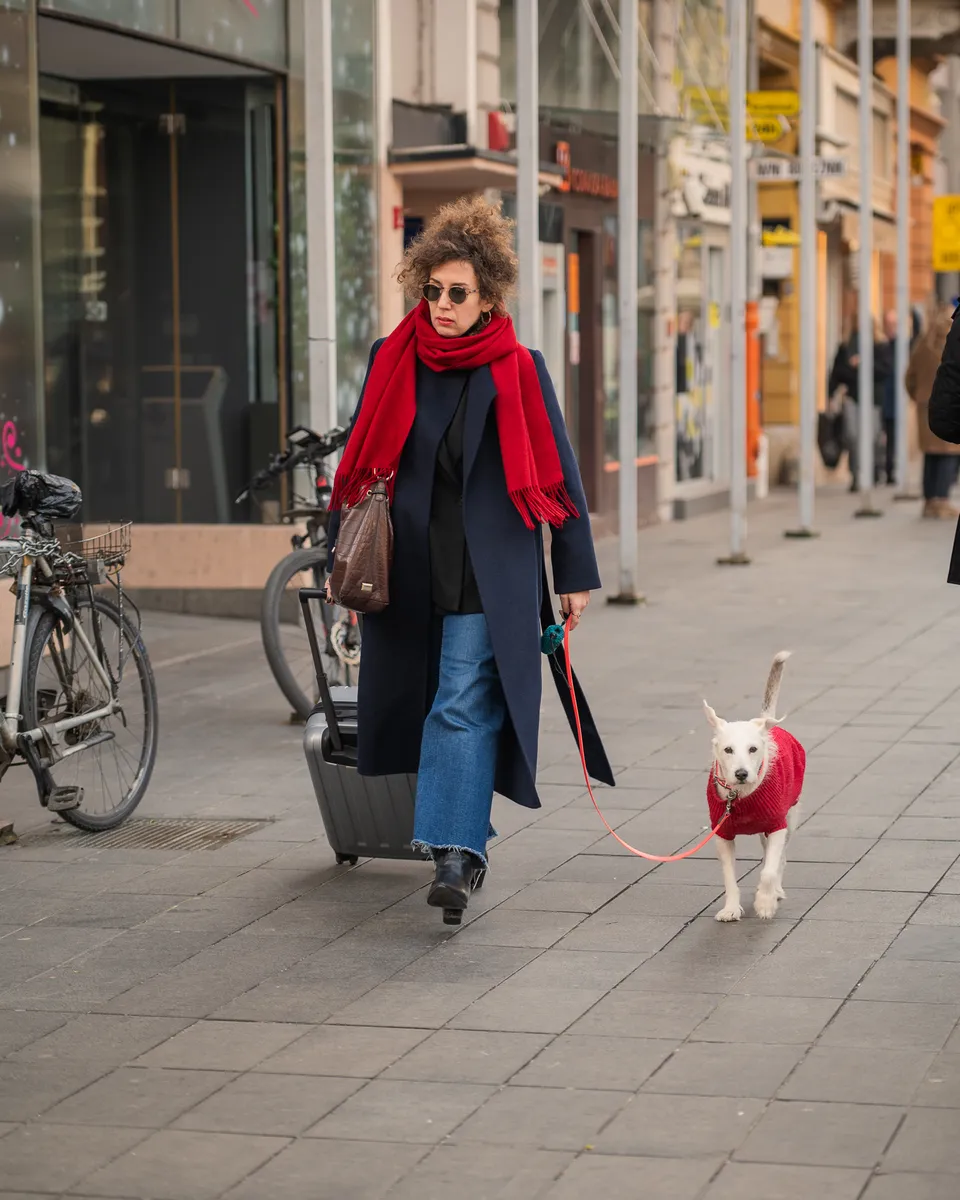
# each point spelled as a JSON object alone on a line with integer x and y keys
{"x": 145, "y": 16}
{"x": 691, "y": 407}
{"x": 256, "y": 30}
{"x": 355, "y": 195}
{"x": 20, "y": 439}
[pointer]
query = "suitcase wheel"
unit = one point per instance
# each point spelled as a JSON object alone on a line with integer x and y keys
{"x": 350, "y": 859}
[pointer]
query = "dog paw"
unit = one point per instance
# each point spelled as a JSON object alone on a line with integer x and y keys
{"x": 765, "y": 905}
{"x": 781, "y": 894}
{"x": 731, "y": 912}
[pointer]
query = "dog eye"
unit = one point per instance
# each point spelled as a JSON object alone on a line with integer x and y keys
{"x": 728, "y": 749}
{"x": 753, "y": 749}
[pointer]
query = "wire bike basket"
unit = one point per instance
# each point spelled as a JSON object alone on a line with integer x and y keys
{"x": 93, "y": 557}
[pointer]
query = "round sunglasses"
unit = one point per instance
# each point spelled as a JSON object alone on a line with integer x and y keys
{"x": 458, "y": 293}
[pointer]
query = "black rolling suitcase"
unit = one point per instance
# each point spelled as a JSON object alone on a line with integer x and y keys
{"x": 364, "y": 816}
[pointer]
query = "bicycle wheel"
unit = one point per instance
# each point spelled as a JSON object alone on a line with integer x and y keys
{"x": 60, "y": 681}
{"x": 285, "y": 638}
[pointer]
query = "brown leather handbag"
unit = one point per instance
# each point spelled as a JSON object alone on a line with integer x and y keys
{"x": 364, "y": 554}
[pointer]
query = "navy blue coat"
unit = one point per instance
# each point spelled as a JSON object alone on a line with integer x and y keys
{"x": 401, "y": 645}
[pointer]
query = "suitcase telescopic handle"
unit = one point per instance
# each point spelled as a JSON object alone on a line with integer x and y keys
{"x": 326, "y": 700}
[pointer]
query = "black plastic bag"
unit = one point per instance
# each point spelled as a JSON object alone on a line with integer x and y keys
{"x": 830, "y": 438}
{"x": 50, "y": 497}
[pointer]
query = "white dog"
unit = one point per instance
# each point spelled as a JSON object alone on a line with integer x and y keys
{"x": 755, "y": 781}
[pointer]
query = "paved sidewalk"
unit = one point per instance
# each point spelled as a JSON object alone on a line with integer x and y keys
{"x": 254, "y": 1023}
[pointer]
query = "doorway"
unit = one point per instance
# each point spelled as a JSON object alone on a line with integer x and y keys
{"x": 163, "y": 315}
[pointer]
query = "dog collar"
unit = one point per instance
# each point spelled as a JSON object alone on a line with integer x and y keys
{"x": 728, "y": 792}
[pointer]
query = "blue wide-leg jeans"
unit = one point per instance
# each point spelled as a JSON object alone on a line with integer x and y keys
{"x": 461, "y": 736}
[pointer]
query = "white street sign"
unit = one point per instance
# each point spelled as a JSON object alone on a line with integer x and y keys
{"x": 773, "y": 169}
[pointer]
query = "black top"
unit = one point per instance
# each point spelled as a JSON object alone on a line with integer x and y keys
{"x": 453, "y": 584}
{"x": 944, "y": 414}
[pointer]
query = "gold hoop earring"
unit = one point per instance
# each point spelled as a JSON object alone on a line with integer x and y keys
{"x": 486, "y": 318}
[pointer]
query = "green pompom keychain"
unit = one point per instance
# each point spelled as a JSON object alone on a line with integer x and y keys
{"x": 552, "y": 639}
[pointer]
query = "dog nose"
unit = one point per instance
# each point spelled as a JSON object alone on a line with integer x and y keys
{"x": 741, "y": 774}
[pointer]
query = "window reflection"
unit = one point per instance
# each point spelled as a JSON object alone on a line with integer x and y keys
{"x": 257, "y": 30}
{"x": 145, "y": 16}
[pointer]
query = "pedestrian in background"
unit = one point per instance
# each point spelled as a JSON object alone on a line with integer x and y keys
{"x": 933, "y": 381}
{"x": 845, "y": 373}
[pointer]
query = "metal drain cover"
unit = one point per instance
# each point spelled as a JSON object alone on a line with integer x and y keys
{"x": 150, "y": 833}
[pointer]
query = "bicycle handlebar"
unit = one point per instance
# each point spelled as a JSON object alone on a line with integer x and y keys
{"x": 315, "y": 448}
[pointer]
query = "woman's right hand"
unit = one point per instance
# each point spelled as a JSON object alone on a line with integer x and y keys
{"x": 329, "y": 593}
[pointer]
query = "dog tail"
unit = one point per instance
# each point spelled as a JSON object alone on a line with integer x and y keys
{"x": 772, "y": 691}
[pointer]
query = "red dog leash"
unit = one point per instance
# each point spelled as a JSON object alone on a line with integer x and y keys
{"x": 661, "y": 858}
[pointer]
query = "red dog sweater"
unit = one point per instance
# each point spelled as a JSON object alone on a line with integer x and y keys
{"x": 765, "y": 809}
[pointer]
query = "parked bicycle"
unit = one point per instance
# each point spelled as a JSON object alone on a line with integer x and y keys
{"x": 281, "y": 619}
{"x": 81, "y": 703}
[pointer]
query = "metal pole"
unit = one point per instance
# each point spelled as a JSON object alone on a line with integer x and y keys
{"x": 528, "y": 171}
{"x": 664, "y": 19}
{"x": 627, "y": 283}
{"x": 738, "y": 285}
{"x": 867, "y": 430}
{"x": 808, "y": 269}
{"x": 904, "y": 324}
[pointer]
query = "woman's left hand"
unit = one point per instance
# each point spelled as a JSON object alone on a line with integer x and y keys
{"x": 573, "y": 605}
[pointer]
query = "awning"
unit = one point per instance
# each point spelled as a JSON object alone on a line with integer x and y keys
{"x": 461, "y": 169}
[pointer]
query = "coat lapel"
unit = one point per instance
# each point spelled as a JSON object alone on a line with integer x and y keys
{"x": 479, "y": 398}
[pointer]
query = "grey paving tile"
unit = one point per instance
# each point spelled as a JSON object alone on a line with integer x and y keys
{"x": 686, "y": 1127}
{"x": 941, "y": 1084}
{"x": 106, "y": 910}
{"x": 858, "y": 1076}
{"x": 839, "y": 939}
{"x": 108, "y": 1041}
{"x": 583, "y": 1061}
{"x": 545, "y": 1119}
{"x": 566, "y": 968}
{"x": 886, "y": 1025}
{"x": 739, "y": 1180}
{"x": 200, "y": 914}
{"x": 138, "y": 1097}
{"x": 916, "y": 1186}
{"x": 326, "y": 1170}
{"x": 507, "y": 927}
{"x": 211, "y": 978}
{"x": 865, "y": 905}
{"x": 938, "y": 909}
{"x": 565, "y": 897}
{"x": 279, "y": 1105}
{"x": 790, "y": 1021}
{"x": 715, "y": 1069}
{"x": 935, "y": 943}
{"x": 810, "y": 975}
{"x": 902, "y": 866}
{"x": 222, "y": 1045}
{"x": 19, "y": 1028}
{"x": 652, "y": 898}
{"x": 345, "y": 1051}
{"x": 36, "y": 948}
{"x": 179, "y": 1165}
{"x": 600, "y": 868}
{"x": 617, "y": 1178}
{"x": 921, "y": 982}
{"x": 423, "y": 1005}
{"x": 468, "y": 1056}
{"x": 627, "y": 1013}
{"x": 52, "y": 1158}
{"x": 926, "y": 1142}
{"x": 825, "y": 1135}
{"x": 30, "y": 1089}
{"x": 514, "y": 1009}
{"x": 610, "y": 931}
{"x": 403, "y": 1111}
{"x": 459, "y": 963}
{"x": 509, "y": 1174}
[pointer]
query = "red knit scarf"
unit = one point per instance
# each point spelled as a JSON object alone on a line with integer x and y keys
{"x": 531, "y": 462}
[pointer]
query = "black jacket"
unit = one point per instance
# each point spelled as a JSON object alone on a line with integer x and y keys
{"x": 845, "y": 373}
{"x": 944, "y": 415}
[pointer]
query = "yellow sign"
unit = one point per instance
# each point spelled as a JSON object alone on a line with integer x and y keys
{"x": 781, "y": 236}
{"x": 766, "y": 129}
{"x": 773, "y": 104}
{"x": 946, "y": 233}
{"x": 713, "y": 315}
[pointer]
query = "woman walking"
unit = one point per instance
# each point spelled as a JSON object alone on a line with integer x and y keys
{"x": 940, "y": 459}
{"x": 845, "y": 373}
{"x": 464, "y": 425}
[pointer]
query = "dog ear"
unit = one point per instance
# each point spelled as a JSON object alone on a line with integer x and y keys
{"x": 765, "y": 723}
{"x": 712, "y": 717}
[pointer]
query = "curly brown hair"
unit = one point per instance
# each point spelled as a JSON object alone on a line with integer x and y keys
{"x": 467, "y": 230}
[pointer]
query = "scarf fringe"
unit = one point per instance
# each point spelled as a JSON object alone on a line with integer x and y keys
{"x": 351, "y": 490}
{"x": 544, "y": 506}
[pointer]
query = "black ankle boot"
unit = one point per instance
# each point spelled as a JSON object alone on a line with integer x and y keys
{"x": 458, "y": 873}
